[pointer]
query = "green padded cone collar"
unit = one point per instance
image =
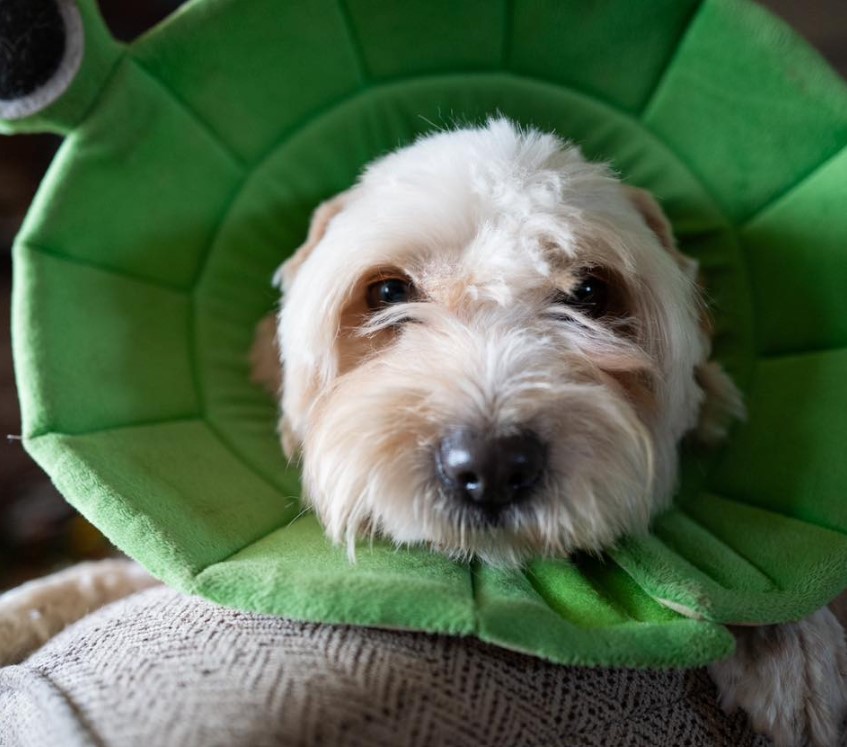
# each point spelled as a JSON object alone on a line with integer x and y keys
{"x": 193, "y": 159}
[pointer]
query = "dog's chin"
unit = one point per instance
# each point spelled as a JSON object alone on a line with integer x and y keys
{"x": 515, "y": 534}
{"x": 398, "y": 497}
{"x": 503, "y": 537}
{"x": 554, "y": 522}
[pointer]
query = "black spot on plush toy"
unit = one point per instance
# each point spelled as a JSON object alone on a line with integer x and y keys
{"x": 41, "y": 44}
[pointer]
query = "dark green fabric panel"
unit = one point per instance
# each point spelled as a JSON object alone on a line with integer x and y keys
{"x": 771, "y": 541}
{"x": 325, "y": 157}
{"x": 753, "y": 121}
{"x": 104, "y": 351}
{"x": 512, "y": 614}
{"x": 171, "y": 494}
{"x": 470, "y": 36}
{"x": 614, "y": 49}
{"x": 789, "y": 456}
{"x": 137, "y": 188}
{"x": 232, "y": 294}
{"x": 100, "y": 55}
{"x": 243, "y": 414}
{"x": 294, "y": 571}
{"x": 725, "y": 284}
{"x": 590, "y": 593}
{"x": 797, "y": 250}
{"x": 252, "y": 73}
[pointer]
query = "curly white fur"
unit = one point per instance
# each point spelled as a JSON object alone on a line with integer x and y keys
{"x": 790, "y": 679}
{"x": 489, "y": 223}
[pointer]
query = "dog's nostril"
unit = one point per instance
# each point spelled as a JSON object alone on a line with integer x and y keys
{"x": 487, "y": 470}
{"x": 467, "y": 479}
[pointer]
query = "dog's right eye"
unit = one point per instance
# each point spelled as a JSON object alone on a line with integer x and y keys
{"x": 389, "y": 291}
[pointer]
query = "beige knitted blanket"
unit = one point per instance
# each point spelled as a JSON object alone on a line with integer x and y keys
{"x": 160, "y": 668}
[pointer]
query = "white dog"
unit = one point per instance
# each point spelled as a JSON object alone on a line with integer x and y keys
{"x": 492, "y": 347}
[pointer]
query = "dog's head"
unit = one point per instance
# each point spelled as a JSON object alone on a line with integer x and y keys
{"x": 490, "y": 347}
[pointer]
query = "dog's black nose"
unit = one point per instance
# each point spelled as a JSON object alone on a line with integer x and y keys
{"x": 490, "y": 471}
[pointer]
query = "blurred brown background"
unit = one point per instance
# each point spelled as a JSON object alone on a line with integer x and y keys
{"x": 38, "y": 531}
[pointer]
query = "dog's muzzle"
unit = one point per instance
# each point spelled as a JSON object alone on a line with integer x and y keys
{"x": 490, "y": 472}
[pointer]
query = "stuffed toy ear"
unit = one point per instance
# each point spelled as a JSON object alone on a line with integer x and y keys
{"x": 41, "y": 48}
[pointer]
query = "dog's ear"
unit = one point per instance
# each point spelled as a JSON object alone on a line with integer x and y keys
{"x": 265, "y": 366}
{"x": 722, "y": 401}
{"x": 321, "y": 218}
{"x": 658, "y": 223}
{"x": 266, "y": 370}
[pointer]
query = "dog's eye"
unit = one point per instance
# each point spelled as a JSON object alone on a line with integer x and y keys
{"x": 389, "y": 291}
{"x": 590, "y": 296}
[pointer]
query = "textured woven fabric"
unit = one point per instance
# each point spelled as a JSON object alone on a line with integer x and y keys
{"x": 161, "y": 668}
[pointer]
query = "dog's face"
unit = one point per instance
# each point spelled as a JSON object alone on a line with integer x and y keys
{"x": 490, "y": 347}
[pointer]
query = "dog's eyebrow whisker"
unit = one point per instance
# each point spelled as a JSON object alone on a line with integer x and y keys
{"x": 391, "y": 317}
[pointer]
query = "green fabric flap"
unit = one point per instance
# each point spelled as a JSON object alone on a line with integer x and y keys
{"x": 751, "y": 122}
{"x": 789, "y": 266}
{"x": 98, "y": 331}
{"x": 251, "y": 75}
{"x": 177, "y": 495}
{"x": 193, "y": 160}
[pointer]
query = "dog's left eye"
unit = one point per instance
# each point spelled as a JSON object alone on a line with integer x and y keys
{"x": 388, "y": 292}
{"x": 590, "y": 296}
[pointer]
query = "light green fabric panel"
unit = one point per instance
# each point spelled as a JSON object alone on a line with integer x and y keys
{"x": 255, "y": 73}
{"x": 134, "y": 188}
{"x": 738, "y": 560}
{"x": 797, "y": 249}
{"x": 98, "y": 332}
{"x": 184, "y": 502}
{"x": 752, "y": 110}
{"x": 299, "y": 570}
{"x": 602, "y": 614}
